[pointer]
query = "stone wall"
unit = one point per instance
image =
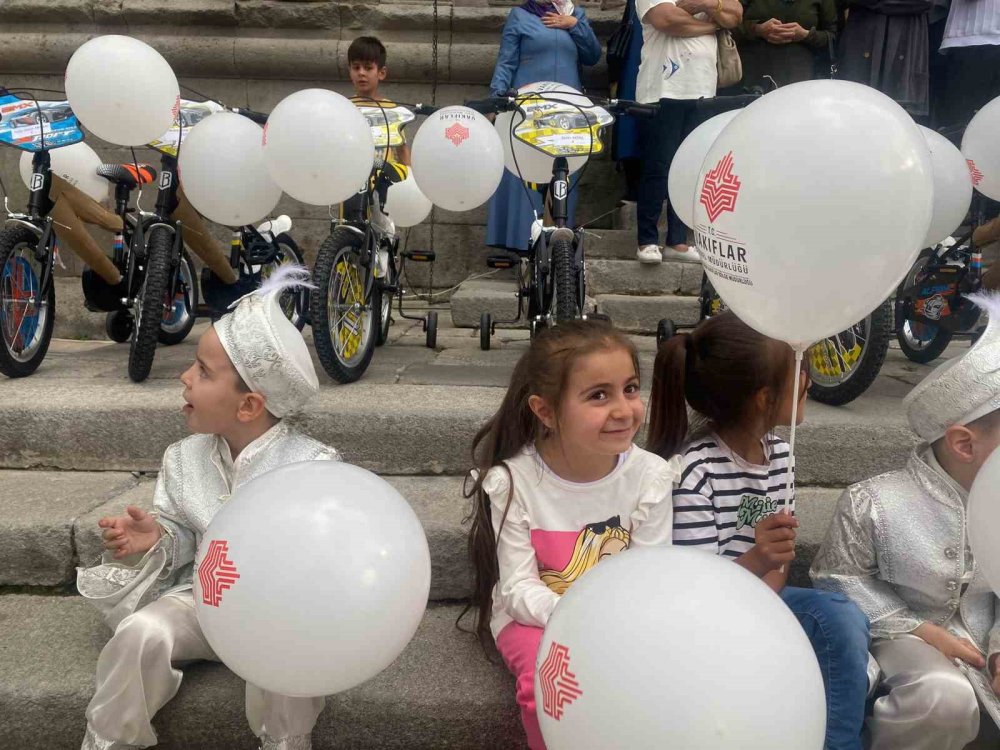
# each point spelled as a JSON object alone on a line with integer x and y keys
{"x": 253, "y": 53}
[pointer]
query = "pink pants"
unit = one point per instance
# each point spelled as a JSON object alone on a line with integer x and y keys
{"x": 518, "y": 645}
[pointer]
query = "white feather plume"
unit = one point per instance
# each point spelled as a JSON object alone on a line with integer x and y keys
{"x": 988, "y": 302}
{"x": 287, "y": 276}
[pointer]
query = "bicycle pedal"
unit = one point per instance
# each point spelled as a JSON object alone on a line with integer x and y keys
{"x": 420, "y": 256}
{"x": 501, "y": 261}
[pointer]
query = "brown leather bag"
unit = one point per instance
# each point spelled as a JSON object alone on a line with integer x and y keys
{"x": 729, "y": 64}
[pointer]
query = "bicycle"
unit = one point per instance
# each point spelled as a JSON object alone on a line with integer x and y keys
{"x": 359, "y": 265}
{"x": 841, "y": 367}
{"x": 930, "y": 307}
{"x": 254, "y": 253}
{"x": 28, "y": 249}
{"x": 551, "y": 275}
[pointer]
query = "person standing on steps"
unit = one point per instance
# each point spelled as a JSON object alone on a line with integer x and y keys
{"x": 543, "y": 40}
{"x": 679, "y": 65}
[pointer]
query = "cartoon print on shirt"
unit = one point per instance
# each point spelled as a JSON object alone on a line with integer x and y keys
{"x": 595, "y": 542}
{"x": 670, "y": 67}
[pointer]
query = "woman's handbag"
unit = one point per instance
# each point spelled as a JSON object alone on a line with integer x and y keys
{"x": 729, "y": 64}
{"x": 618, "y": 45}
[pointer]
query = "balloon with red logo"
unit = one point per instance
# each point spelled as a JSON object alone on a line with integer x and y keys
{"x": 312, "y": 578}
{"x": 667, "y": 647}
{"x": 981, "y": 150}
{"x": 457, "y": 159}
{"x": 811, "y": 206}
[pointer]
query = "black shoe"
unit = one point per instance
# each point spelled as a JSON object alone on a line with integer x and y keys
{"x": 219, "y": 295}
{"x": 99, "y": 295}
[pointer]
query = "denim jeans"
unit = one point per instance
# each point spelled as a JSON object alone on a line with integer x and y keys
{"x": 838, "y": 632}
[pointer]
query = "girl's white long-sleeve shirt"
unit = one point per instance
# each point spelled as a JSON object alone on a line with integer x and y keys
{"x": 552, "y": 531}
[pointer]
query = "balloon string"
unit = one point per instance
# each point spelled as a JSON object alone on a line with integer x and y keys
{"x": 787, "y": 505}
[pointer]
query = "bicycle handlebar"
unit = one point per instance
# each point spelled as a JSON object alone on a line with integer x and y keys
{"x": 258, "y": 117}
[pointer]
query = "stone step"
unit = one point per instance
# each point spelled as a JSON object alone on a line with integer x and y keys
{"x": 442, "y": 692}
{"x": 48, "y": 524}
{"x": 642, "y": 314}
{"x": 630, "y": 277}
{"x": 83, "y": 414}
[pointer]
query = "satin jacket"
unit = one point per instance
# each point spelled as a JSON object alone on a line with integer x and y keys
{"x": 897, "y": 548}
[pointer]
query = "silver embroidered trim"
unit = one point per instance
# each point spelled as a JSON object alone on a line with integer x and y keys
{"x": 299, "y": 742}
{"x": 93, "y": 741}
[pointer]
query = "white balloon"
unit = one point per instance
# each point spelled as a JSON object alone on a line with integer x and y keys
{"x": 801, "y": 245}
{"x": 223, "y": 173}
{"x": 682, "y": 181}
{"x": 980, "y": 148}
{"x": 642, "y": 651}
{"x": 77, "y": 164}
{"x": 952, "y": 187}
{"x": 457, "y": 159}
{"x": 532, "y": 165}
{"x": 122, "y": 90}
{"x": 312, "y": 579}
{"x": 318, "y": 147}
{"x": 984, "y": 520}
{"x": 405, "y": 204}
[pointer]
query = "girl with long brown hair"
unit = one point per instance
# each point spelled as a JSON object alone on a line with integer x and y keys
{"x": 558, "y": 486}
{"x": 735, "y": 495}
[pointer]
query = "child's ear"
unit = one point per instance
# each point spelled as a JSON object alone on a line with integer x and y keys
{"x": 960, "y": 441}
{"x": 254, "y": 406}
{"x": 382, "y": 73}
{"x": 541, "y": 409}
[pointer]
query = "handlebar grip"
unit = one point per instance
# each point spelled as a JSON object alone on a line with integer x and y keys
{"x": 257, "y": 117}
{"x": 425, "y": 110}
{"x": 642, "y": 110}
{"x": 492, "y": 105}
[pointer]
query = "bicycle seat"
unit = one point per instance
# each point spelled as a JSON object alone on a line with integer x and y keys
{"x": 127, "y": 175}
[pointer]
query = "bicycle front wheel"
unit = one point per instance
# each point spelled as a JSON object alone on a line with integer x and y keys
{"x": 566, "y": 277}
{"x": 345, "y": 321}
{"x": 150, "y": 304}
{"x": 27, "y": 314}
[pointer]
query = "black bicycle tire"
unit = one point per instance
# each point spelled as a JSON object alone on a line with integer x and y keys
{"x": 9, "y": 239}
{"x": 168, "y": 338}
{"x": 159, "y": 248}
{"x": 284, "y": 240}
{"x": 485, "y": 331}
{"x": 566, "y": 279}
{"x": 941, "y": 339}
{"x": 872, "y": 359}
{"x": 341, "y": 238}
{"x": 378, "y": 295}
{"x": 118, "y": 326}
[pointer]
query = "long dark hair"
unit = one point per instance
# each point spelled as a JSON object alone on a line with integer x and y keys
{"x": 543, "y": 371}
{"x": 717, "y": 370}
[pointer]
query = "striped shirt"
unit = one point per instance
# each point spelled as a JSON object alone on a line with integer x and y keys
{"x": 720, "y": 498}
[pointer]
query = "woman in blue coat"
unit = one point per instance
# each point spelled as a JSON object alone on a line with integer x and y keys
{"x": 543, "y": 40}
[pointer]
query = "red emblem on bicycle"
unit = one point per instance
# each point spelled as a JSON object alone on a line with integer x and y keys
{"x": 559, "y": 685}
{"x": 720, "y": 189}
{"x": 974, "y": 172}
{"x": 216, "y": 573}
{"x": 457, "y": 133}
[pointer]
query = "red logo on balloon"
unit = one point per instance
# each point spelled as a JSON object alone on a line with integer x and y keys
{"x": 457, "y": 133}
{"x": 216, "y": 573}
{"x": 974, "y": 172}
{"x": 559, "y": 685}
{"x": 263, "y": 140}
{"x": 177, "y": 109}
{"x": 721, "y": 188}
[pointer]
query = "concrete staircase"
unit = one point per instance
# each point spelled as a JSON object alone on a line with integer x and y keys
{"x": 79, "y": 441}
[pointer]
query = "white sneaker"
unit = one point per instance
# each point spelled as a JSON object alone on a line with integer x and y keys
{"x": 649, "y": 254}
{"x": 683, "y": 256}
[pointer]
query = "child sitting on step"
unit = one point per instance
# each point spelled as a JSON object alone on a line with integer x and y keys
{"x": 559, "y": 485}
{"x": 733, "y": 496}
{"x": 252, "y": 369}
{"x": 898, "y": 546}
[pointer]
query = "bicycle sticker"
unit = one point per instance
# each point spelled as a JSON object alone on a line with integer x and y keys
{"x": 37, "y": 182}
{"x": 560, "y": 190}
{"x": 166, "y": 179}
{"x": 189, "y": 114}
{"x": 30, "y": 125}
{"x": 566, "y": 126}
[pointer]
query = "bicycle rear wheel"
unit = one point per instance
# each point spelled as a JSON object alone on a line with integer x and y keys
{"x": 344, "y": 317}
{"x": 844, "y": 366}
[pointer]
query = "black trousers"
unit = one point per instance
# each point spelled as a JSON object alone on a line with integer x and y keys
{"x": 973, "y": 80}
{"x": 660, "y": 138}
